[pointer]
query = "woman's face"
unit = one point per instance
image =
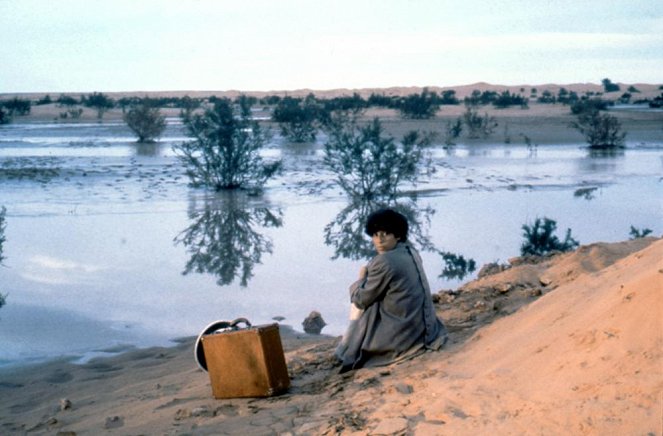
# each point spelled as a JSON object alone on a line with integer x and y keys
{"x": 384, "y": 241}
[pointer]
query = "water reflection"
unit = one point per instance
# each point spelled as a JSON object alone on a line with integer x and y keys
{"x": 224, "y": 237}
{"x": 148, "y": 149}
{"x": 346, "y": 234}
{"x": 601, "y": 161}
{"x": 3, "y": 213}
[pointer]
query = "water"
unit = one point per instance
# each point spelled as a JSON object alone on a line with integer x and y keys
{"x": 108, "y": 248}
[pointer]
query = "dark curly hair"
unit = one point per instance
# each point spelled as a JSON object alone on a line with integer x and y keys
{"x": 387, "y": 220}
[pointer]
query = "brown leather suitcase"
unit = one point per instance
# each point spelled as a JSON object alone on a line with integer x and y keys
{"x": 245, "y": 362}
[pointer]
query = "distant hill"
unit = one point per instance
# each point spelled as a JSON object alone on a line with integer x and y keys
{"x": 646, "y": 91}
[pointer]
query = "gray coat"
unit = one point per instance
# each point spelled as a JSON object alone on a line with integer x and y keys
{"x": 398, "y": 319}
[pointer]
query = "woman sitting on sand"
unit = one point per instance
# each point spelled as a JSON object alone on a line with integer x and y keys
{"x": 392, "y": 315}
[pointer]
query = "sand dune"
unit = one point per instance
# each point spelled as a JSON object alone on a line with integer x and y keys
{"x": 584, "y": 358}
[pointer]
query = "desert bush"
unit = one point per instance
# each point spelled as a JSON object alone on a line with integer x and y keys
{"x": 478, "y": 126}
{"x": 418, "y": 106}
{"x": 66, "y": 100}
{"x": 224, "y": 153}
{"x": 368, "y": 163}
{"x": 601, "y": 131}
{"x": 588, "y": 105}
{"x": 3, "y": 226}
{"x": 100, "y": 102}
{"x": 639, "y": 233}
{"x": 17, "y": 106}
{"x": 5, "y": 117}
{"x": 297, "y": 118}
{"x": 44, "y": 100}
{"x": 506, "y": 99}
{"x": 452, "y": 131}
{"x": 145, "y": 121}
{"x": 608, "y": 86}
{"x": 540, "y": 238}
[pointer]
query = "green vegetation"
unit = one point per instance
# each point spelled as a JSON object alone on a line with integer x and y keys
{"x": 3, "y": 226}
{"x": 368, "y": 163}
{"x": 601, "y": 131}
{"x": 478, "y": 126}
{"x": 145, "y": 120}
{"x": 608, "y": 86}
{"x": 99, "y": 102}
{"x": 297, "y": 118}
{"x": 639, "y": 233}
{"x": 17, "y": 106}
{"x": 225, "y": 151}
{"x": 540, "y": 239}
{"x": 5, "y": 117}
{"x": 418, "y": 106}
{"x": 588, "y": 105}
{"x": 506, "y": 99}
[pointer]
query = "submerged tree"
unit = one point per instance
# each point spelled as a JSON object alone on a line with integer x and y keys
{"x": 370, "y": 164}
{"x": 224, "y": 238}
{"x": 601, "y": 131}
{"x": 540, "y": 238}
{"x": 145, "y": 120}
{"x": 297, "y": 118}
{"x": 478, "y": 126}
{"x": 225, "y": 151}
{"x": 3, "y": 226}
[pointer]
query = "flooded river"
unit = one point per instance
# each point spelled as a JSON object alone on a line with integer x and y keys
{"x": 107, "y": 247}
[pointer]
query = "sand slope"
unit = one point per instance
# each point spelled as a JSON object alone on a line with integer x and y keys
{"x": 584, "y": 358}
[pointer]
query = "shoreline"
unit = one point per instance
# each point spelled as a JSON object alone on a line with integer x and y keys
{"x": 161, "y": 390}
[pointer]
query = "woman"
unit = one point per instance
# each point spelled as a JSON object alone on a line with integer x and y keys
{"x": 392, "y": 316}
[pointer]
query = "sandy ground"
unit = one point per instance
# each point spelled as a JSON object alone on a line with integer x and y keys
{"x": 567, "y": 344}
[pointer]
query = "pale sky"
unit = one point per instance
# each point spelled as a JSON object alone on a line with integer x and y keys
{"x": 267, "y": 45}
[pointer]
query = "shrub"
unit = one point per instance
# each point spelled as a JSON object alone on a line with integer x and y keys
{"x": 452, "y": 131}
{"x": 639, "y": 233}
{"x": 588, "y": 105}
{"x": 100, "y": 102}
{"x": 3, "y": 226}
{"x": 608, "y": 86}
{"x": 145, "y": 121}
{"x": 601, "y": 131}
{"x": 17, "y": 106}
{"x": 419, "y": 106}
{"x": 297, "y": 118}
{"x": 5, "y": 117}
{"x": 540, "y": 240}
{"x": 225, "y": 151}
{"x": 370, "y": 164}
{"x": 506, "y": 99}
{"x": 478, "y": 126}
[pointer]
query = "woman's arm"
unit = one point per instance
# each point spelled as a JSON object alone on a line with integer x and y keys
{"x": 372, "y": 287}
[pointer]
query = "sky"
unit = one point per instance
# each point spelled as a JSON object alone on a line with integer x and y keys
{"x": 268, "y": 45}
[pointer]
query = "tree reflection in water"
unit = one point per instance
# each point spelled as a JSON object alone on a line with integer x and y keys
{"x": 3, "y": 213}
{"x": 346, "y": 234}
{"x": 224, "y": 237}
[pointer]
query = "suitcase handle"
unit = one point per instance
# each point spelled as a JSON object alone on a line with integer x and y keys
{"x": 234, "y": 323}
{"x": 212, "y": 328}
